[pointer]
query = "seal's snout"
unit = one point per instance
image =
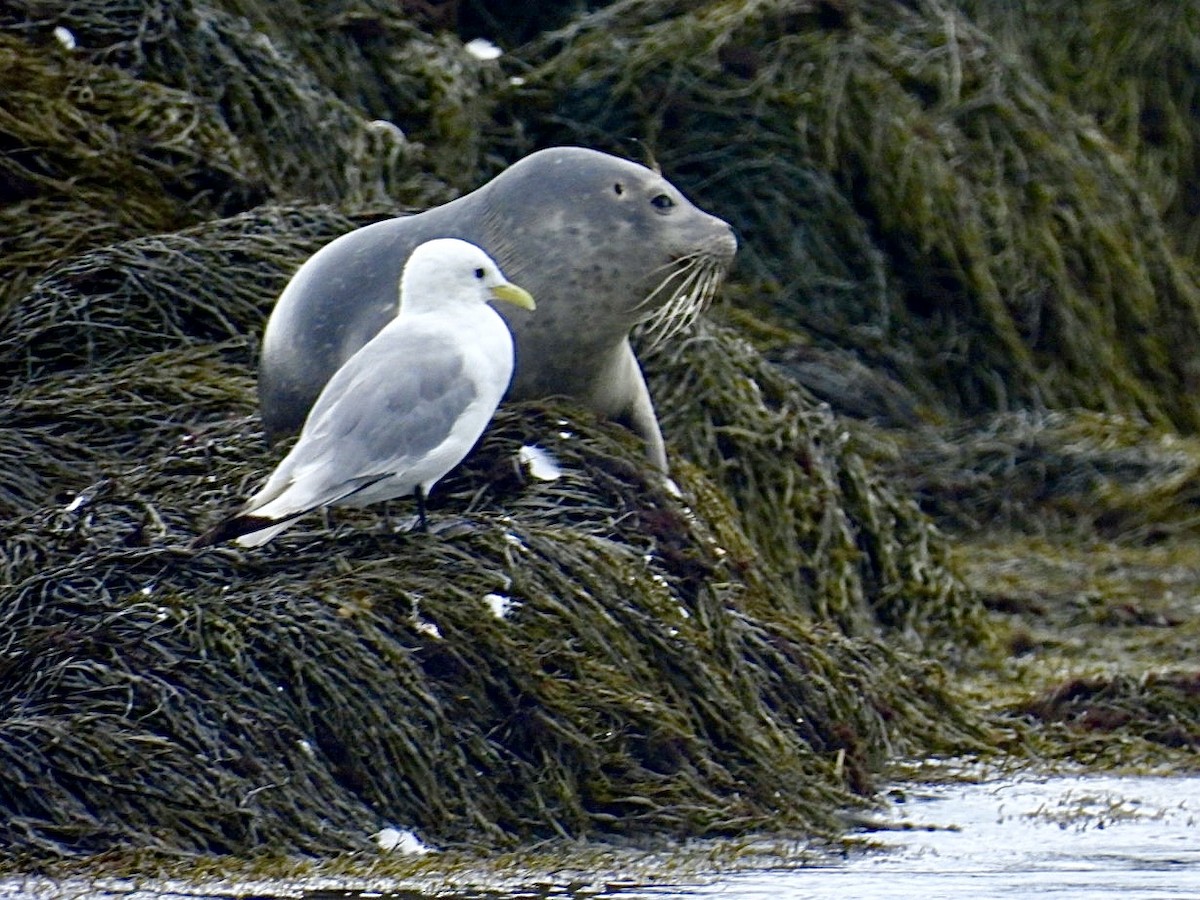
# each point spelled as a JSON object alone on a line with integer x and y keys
{"x": 722, "y": 243}
{"x": 729, "y": 243}
{"x": 715, "y": 243}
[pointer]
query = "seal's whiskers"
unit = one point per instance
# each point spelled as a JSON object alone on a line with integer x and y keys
{"x": 676, "y": 269}
{"x": 692, "y": 285}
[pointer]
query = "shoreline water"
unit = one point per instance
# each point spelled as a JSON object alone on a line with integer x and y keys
{"x": 1075, "y": 836}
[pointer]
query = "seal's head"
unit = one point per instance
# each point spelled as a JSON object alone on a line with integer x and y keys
{"x": 619, "y": 242}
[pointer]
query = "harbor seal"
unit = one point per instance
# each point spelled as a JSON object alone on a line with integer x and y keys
{"x": 602, "y": 243}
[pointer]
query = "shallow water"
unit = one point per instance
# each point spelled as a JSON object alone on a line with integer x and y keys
{"x": 1071, "y": 838}
{"x": 1068, "y": 838}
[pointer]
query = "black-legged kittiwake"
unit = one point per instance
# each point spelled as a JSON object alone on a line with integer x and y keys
{"x": 407, "y": 407}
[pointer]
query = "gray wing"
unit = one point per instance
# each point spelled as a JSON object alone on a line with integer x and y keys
{"x": 390, "y": 405}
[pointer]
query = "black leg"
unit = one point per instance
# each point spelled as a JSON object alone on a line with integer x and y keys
{"x": 419, "y": 496}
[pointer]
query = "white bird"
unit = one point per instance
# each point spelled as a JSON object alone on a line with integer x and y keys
{"x": 407, "y": 407}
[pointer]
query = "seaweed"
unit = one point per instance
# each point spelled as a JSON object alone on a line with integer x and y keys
{"x": 857, "y": 553}
{"x": 212, "y": 283}
{"x": 937, "y": 418}
{"x": 993, "y": 250}
{"x": 1085, "y": 474}
{"x": 1140, "y": 90}
{"x": 659, "y": 672}
{"x": 91, "y": 155}
{"x": 1098, "y": 711}
{"x": 162, "y": 115}
{"x": 304, "y": 696}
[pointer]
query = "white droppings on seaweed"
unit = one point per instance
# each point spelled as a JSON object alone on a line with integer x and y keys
{"x": 500, "y": 605}
{"x": 541, "y": 463}
{"x": 482, "y": 48}
{"x": 383, "y": 126}
{"x": 400, "y": 840}
{"x": 429, "y": 629}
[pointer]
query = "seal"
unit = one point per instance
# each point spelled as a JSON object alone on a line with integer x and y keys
{"x": 602, "y": 243}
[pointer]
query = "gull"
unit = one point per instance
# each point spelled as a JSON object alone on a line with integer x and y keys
{"x": 407, "y": 407}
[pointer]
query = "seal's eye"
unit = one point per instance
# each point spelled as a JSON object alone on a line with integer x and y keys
{"x": 661, "y": 202}
{"x": 479, "y": 273}
{"x": 618, "y": 189}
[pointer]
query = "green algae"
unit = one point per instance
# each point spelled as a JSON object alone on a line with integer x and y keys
{"x": 1101, "y": 642}
{"x": 1077, "y": 531}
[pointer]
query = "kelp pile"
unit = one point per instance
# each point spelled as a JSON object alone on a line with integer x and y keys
{"x": 651, "y": 677}
{"x": 907, "y": 192}
{"x": 927, "y": 231}
{"x": 1113, "y": 478}
{"x": 707, "y": 663}
{"x": 1141, "y": 89}
{"x": 303, "y": 697}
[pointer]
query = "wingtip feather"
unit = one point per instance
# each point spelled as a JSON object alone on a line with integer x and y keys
{"x": 241, "y": 528}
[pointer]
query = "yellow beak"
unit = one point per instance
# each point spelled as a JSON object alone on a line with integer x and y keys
{"x": 515, "y": 295}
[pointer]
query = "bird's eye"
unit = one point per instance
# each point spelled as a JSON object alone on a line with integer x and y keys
{"x": 661, "y": 202}
{"x": 479, "y": 273}
{"x": 618, "y": 189}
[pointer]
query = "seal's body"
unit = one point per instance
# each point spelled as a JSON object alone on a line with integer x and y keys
{"x": 601, "y": 242}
